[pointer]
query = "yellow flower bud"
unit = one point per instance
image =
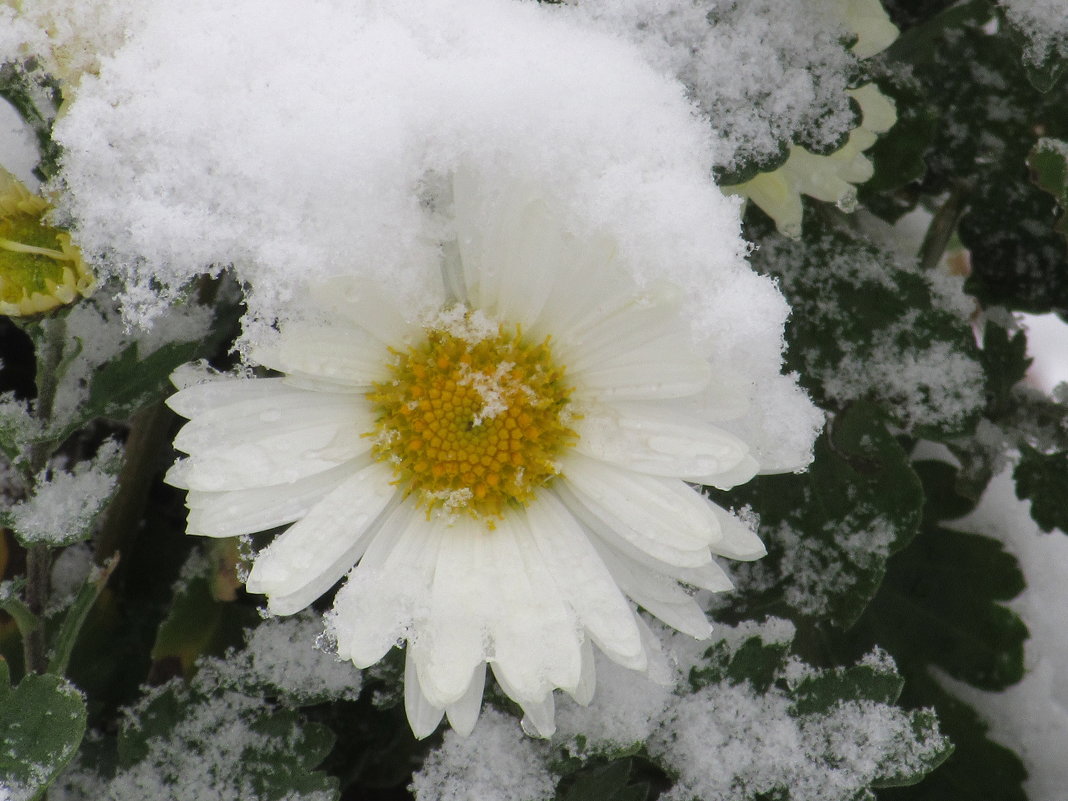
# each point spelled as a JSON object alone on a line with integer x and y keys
{"x": 40, "y": 268}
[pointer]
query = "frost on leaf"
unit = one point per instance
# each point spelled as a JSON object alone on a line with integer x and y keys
{"x": 65, "y": 503}
{"x": 867, "y": 323}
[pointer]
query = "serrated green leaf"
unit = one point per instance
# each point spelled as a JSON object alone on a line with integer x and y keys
{"x": 1005, "y": 362}
{"x": 868, "y": 324}
{"x": 42, "y": 721}
{"x": 269, "y": 753}
{"x": 830, "y": 532}
{"x": 942, "y": 498}
{"x": 1042, "y": 479}
{"x": 1043, "y": 69}
{"x": 821, "y": 691}
{"x": 944, "y": 591}
{"x": 754, "y": 661}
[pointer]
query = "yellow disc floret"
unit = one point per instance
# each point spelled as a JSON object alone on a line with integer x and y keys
{"x": 472, "y": 418}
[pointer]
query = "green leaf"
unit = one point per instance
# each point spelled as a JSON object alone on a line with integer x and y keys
{"x": 813, "y": 709}
{"x": 267, "y": 753}
{"x": 604, "y": 783}
{"x": 868, "y": 324}
{"x": 74, "y": 619}
{"x": 92, "y": 368}
{"x": 199, "y": 624}
{"x": 1005, "y": 361}
{"x": 830, "y": 532}
{"x": 1044, "y": 69}
{"x": 1048, "y": 161}
{"x": 872, "y": 681}
{"x": 42, "y": 722}
{"x": 1043, "y": 479}
{"x": 940, "y": 606}
{"x": 754, "y": 660}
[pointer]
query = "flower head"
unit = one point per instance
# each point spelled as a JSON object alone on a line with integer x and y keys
{"x": 832, "y": 177}
{"x": 499, "y": 475}
{"x": 39, "y": 267}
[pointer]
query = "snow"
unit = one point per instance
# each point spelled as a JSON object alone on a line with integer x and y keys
{"x": 496, "y": 762}
{"x": 70, "y": 569}
{"x": 817, "y": 568}
{"x": 1030, "y": 717}
{"x": 936, "y": 383}
{"x": 203, "y": 144}
{"x": 100, "y": 335}
{"x": 1044, "y": 23}
{"x": 200, "y": 758}
{"x": 284, "y": 657}
{"x": 66, "y": 502}
{"x": 17, "y": 145}
{"x": 763, "y": 78}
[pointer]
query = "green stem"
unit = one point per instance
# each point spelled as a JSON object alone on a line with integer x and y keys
{"x": 38, "y": 571}
{"x": 38, "y": 555}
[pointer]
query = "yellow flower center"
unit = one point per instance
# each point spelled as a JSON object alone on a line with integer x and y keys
{"x": 472, "y": 418}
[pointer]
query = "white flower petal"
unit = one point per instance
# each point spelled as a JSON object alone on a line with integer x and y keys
{"x": 535, "y": 639}
{"x": 454, "y": 639}
{"x": 423, "y": 716}
{"x": 365, "y": 305}
{"x": 464, "y": 713}
{"x": 390, "y": 585}
{"x": 709, "y": 577}
{"x": 655, "y": 515}
{"x": 660, "y": 596}
{"x": 739, "y": 474}
{"x": 313, "y": 554}
{"x": 539, "y": 713}
{"x": 739, "y": 541}
{"x": 231, "y": 514}
{"x": 583, "y": 693}
{"x": 583, "y": 579}
{"x": 208, "y": 396}
{"x": 645, "y": 443}
{"x": 345, "y": 356}
{"x": 231, "y": 450}
{"x": 649, "y": 373}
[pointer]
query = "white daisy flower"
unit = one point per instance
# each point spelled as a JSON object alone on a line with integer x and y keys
{"x": 501, "y": 476}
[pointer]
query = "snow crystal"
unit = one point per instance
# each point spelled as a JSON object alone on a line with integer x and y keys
{"x": 763, "y": 77}
{"x": 101, "y": 336}
{"x": 18, "y": 145}
{"x": 283, "y": 655}
{"x": 200, "y": 758}
{"x": 69, "y": 37}
{"x": 1044, "y": 22}
{"x": 818, "y": 568}
{"x": 936, "y": 383}
{"x": 728, "y": 742}
{"x": 625, "y": 710}
{"x": 69, "y": 571}
{"x": 497, "y": 762}
{"x": 65, "y": 503}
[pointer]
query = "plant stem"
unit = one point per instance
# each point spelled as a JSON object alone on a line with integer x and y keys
{"x": 39, "y": 555}
{"x": 38, "y": 570}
